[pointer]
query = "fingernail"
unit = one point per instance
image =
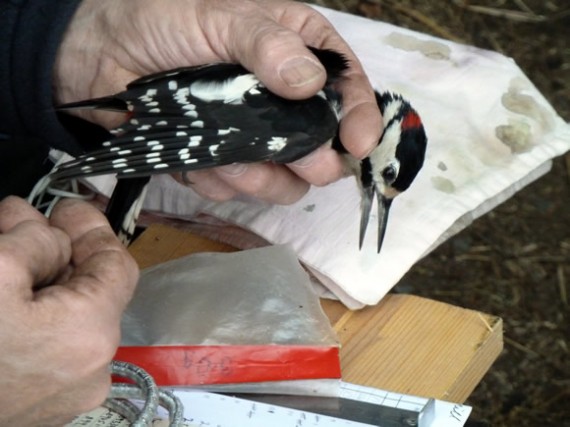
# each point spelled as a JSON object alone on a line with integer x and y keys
{"x": 235, "y": 169}
{"x": 300, "y": 71}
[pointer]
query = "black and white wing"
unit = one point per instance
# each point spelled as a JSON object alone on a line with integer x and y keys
{"x": 201, "y": 117}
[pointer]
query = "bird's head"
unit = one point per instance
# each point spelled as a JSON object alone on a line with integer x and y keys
{"x": 392, "y": 166}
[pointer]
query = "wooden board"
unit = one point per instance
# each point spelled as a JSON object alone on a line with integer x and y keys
{"x": 405, "y": 343}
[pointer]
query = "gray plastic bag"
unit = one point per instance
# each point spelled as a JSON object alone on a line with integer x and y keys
{"x": 229, "y": 317}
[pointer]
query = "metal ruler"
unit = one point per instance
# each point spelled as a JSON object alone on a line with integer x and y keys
{"x": 356, "y": 406}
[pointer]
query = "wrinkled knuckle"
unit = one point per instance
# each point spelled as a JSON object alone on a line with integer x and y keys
{"x": 49, "y": 238}
{"x": 105, "y": 237}
{"x": 36, "y": 248}
{"x": 11, "y": 264}
{"x": 271, "y": 41}
{"x": 120, "y": 258}
{"x": 7, "y": 203}
{"x": 38, "y": 230}
{"x": 97, "y": 240}
{"x": 324, "y": 28}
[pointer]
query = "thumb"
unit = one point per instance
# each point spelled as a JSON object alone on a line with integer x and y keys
{"x": 280, "y": 59}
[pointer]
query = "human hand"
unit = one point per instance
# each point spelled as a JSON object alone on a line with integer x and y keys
{"x": 64, "y": 284}
{"x": 109, "y": 43}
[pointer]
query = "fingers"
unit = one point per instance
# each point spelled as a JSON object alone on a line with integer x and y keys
{"x": 276, "y": 52}
{"x": 207, "y": 184}
{"x": 248, "y": 32}
{"x": 361, "y": 128}
{"x": 88, "y": 303}
{"x": 104, "y": 270}
{"x": 267, "y": 182}
{"x": 361, "y": 125}
{"x": 280, "y": 59}
{"x": 14, "y": 210}
{"x": 31, "y": 252}
{"x": 273, "y": 46}
{"x": 64, "y": 335}
{"x": 319, "y": 168}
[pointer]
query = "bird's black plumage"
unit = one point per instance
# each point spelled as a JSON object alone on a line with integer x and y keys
{"x": 205, "y": 116}
{"x": 201, "y": 117}
{"x": 211, "y": 115}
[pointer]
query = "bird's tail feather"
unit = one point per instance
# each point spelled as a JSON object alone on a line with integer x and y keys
{"x": 110, "y": 103}
{"x": 124, "y": 206}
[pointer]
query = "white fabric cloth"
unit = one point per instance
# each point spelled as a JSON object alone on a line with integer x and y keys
{"x": 490, "y": 133}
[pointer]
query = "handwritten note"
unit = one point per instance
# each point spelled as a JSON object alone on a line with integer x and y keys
{"x": 208, "y": 409}
{"x": 204, "y": 409}
{"x": 433, "y": 413}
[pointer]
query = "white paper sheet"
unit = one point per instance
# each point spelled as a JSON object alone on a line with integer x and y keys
{"x": 208, "y": 409}
{"x": 490, "y": 133}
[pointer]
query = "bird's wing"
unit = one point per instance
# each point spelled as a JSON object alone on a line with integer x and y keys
{"x": 189, "y": 126}
{"x": 139, "y": 87}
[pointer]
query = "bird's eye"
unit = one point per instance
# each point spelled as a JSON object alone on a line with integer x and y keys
{"x": 389, "y": 174}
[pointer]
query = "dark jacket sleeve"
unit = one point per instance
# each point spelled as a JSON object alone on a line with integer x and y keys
{"x": 30, "y": 33}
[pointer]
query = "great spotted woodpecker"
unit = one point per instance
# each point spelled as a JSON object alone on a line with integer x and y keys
{"x": 211, "y": 115}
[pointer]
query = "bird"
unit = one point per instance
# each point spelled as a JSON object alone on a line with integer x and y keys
{"x": 216, "y": 114}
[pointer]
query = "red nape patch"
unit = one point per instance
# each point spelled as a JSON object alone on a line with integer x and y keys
{"x": 411, "y": 121}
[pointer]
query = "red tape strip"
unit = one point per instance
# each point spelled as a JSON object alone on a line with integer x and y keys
{"x": 193, "y": 365}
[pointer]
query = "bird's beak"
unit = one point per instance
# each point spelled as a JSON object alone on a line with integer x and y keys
{"x": 384, "y": 204}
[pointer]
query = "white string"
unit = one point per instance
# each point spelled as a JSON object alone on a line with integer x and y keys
{"x": 57, "y": 191}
